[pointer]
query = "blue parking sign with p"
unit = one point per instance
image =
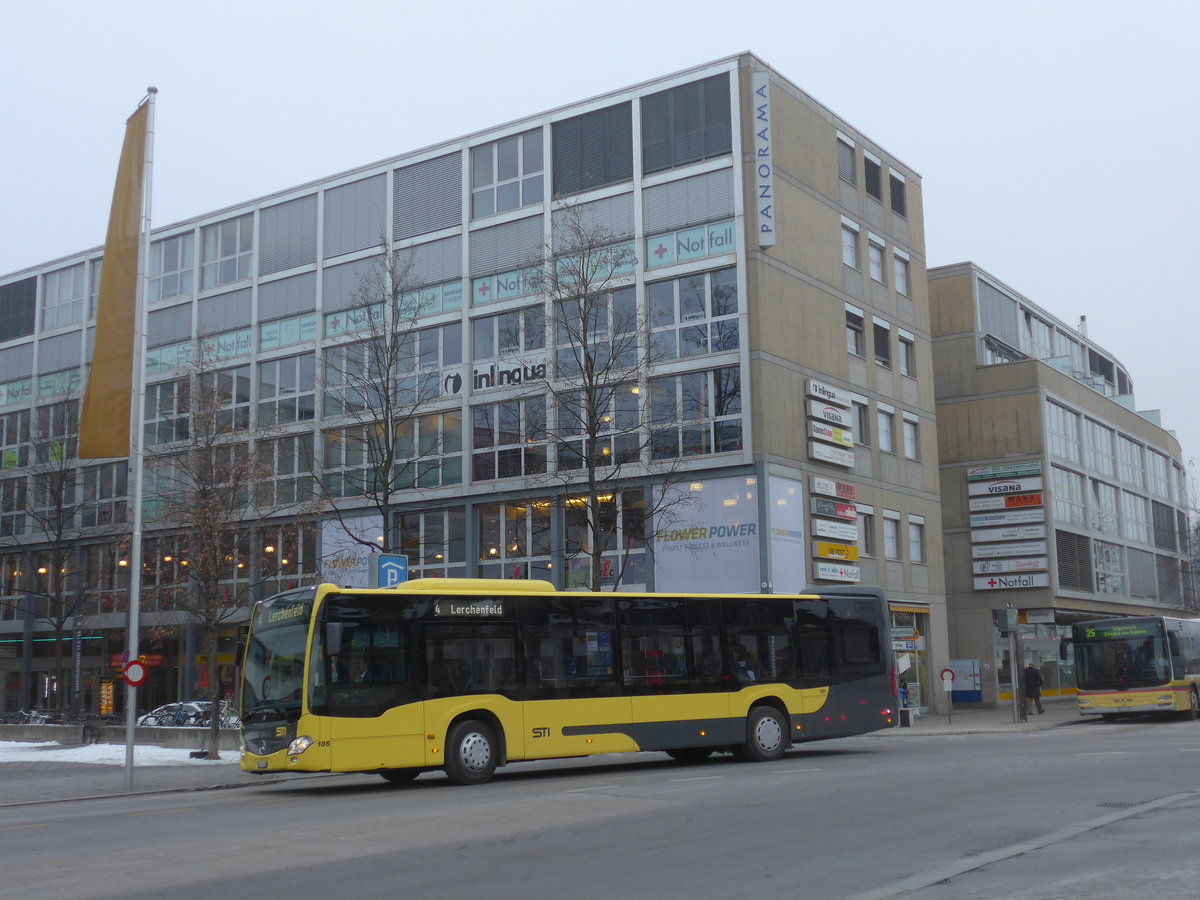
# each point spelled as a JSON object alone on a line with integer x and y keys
{"x": 393, "y": 570}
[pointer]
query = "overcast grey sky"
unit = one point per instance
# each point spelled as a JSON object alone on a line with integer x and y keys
{"x": 1057, "y": 140}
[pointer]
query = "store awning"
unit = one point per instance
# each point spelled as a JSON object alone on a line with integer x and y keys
{"x": 899, "y": 607}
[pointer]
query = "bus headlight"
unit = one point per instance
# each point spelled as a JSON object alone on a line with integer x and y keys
{"x": 299, "y": 745}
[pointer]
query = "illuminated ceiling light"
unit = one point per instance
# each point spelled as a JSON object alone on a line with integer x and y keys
{"x": 42, "y": 570}
{"x": 168, "y": 558}
{"x": 730, "y": 502}
{"x": 696, "y": 486}
{"x": 283, "y": 562}
{"x": 122, "y": 562}
{"x": 493, "y": 551}
{"x": 635, "y": 390}
{"x": 270, "y": 548}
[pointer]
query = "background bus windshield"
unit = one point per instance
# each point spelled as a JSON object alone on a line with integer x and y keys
{"x": 273, "y": 679}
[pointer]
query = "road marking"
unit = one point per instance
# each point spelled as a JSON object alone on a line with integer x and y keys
{"x": 794, "y": 771}
{"x": 164, "y": 812}
{"x": 30, "y": 825}
{"x": 961, "y": 867}
{"x": 603, "y": 787}
{"x": 1103, "y": 753}
{"x": 699, "y": 778}
{"x": 1190, "y": 750}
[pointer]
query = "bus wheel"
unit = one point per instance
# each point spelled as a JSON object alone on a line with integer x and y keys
{"x": 470, "y": 753}
{"x": 1193, "y": 712}
{"x": 1108, "y": 717}
{"x": 766, "y": 735}
{"x": 690, "y": 755}
{"x": 399, "y": 776}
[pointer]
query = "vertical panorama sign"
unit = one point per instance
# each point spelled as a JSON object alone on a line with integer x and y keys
{"x": 764, "y": 168}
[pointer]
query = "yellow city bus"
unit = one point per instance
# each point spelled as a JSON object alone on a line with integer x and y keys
{"x": 465, "y": 675}
{"x": 1138, "y": 665}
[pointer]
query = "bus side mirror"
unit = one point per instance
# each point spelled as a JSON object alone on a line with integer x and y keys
{"x": 1062, "y": 649}
{"x": 333, "y": 636}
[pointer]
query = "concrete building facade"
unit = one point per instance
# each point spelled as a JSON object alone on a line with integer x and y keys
{"x": 1061, "y": 500}
{"x": 778, "y": 267}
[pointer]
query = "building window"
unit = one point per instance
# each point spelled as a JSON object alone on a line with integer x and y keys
{"x": 862, "y": 424}
{"x": 900, "y": 268}
{"x": 886, "y": 421}
{"x": 1104, "y": 507}
{"x": 423, "y": 357}
{"x": 1110, "y": 567}
{"x": 899, "y": 207}
{"x": 850, "y": 247}
{"x": 908, "y": 356}
{"x": 105, "y": 489}
{"x": 1062, "y": 426}
{"x": 696, "y": 413}
{"x": 171, "y": 267}
{"x": 435, "y": 543}
{"x": 912, "y": 445}
{"x": 866, "y": 531}
{"x": 165, "y": 414}
{"x": 349, "y": 467}
{"x": 507, "y": 335}
{"x": 593, "y": 150}
{"x": 1066, "y": 488}
{"x": 64, "y": 297}
{"x": 686, "y": 124}
{"x": 14, "y": 439}
{"x": 616, "y": 439}
{"x": 875, "y": 260}
{"x": 693, "y": 316}
{"x": 228, "y": 251}
{"x": 1099, "y": 447}
{"x": 1163, "y": 521}
{"x": 883, "y": 344}
{"x": 514, "y": 540}
{"x": 854, "y": 333}
{"x": 286, "y": 465}
{"x": 1135, "y": 517}
{"x": 429, "y": 450}
{"x": 873, "y": 177}
{"x": 845, "y": 158}
{"x": 891, "y": 534}
{"x": 13, "y": 506}
{"x": 1129, "y": 462}
{"x": 227, "y": 393}
{"x": 509, "y": 439}
{"x": 288, "y": 556}
{"x": 286, "y": 390}
{"x": 506, "y": 174}
{"x": 1156, "y": 474}
{"x": 916, "y": 542}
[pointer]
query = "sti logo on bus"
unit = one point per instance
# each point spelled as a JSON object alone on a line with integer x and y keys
{"x": 541, "y": 732}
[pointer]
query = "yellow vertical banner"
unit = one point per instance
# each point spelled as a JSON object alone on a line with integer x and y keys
{"x": 105, "y": 418}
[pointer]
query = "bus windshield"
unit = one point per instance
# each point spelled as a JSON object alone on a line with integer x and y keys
{"x": 273, "y": 679}
{"x": 1121, "y": 655}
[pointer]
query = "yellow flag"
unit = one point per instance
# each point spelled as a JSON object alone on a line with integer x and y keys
{"x": 105, "y": 419}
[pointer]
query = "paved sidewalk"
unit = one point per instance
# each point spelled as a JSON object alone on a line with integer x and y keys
{"x": 1059, "y": 711}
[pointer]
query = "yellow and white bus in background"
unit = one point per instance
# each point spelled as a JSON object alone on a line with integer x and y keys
{"x": 465, "y": 675}
{"x": 1138, "y": 665}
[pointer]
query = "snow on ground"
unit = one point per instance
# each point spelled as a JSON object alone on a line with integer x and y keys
{"x": 105, "y": 754}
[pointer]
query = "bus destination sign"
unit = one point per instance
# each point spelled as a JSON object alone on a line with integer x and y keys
{"x": 1117, "y": 632}
{"x": 475, "y": 608}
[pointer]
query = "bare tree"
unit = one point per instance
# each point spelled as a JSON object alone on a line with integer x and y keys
{"x": 205, "y": 499}
{"x": 600, "y": 420}
{"x": 381, "y": 442}
{"x": 54, "y": 509}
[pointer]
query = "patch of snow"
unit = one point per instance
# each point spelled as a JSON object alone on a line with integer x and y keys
{"x": 105, "y": 754}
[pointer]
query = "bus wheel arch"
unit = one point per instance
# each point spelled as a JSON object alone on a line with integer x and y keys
{"x": 474, "y": 748}
{"x": 768, "y": 732}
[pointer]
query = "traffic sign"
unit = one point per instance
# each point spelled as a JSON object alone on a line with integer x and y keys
{"x": 135, "y": 673}
{"x": 393, "y": 570}
{"x": 947, "y": 674}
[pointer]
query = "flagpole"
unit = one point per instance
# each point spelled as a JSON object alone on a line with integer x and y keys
{"x": 136, "y": 455}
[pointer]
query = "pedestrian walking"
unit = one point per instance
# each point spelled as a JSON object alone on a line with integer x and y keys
{"x": 1032, "y": 678}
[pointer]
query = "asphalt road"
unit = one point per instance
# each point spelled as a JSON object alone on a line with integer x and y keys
{"x": 1094, "y": 810}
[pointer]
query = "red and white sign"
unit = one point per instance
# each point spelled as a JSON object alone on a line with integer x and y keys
{"x": 135, "y": 673}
